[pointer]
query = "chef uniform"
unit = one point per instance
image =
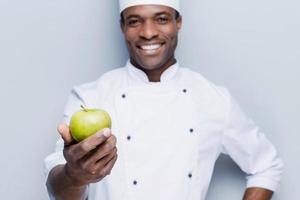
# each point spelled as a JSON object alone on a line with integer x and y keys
{"x": 170, "y": 133}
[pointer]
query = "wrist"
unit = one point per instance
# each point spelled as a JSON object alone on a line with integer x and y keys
{"x": 71, "y": 179}
{"x": 256, "y": 193}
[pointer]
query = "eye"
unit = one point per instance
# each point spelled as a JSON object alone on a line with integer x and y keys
{"x": 162, "y": 20}
{"x": 133, "y": 22}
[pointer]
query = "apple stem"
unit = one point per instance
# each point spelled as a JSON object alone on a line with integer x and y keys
{"x": 83, "y": 108}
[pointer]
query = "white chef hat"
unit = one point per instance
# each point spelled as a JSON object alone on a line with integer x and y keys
{"x": 128, "y": 3}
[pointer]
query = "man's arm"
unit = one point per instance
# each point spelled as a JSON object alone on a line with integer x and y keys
{"x": 60, "y": 186}
{"x": 256, "y": 193}
{"x": 88, "y": 161}
{"x": 252, "y": 151}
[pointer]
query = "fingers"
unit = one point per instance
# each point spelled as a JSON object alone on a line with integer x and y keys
{"x": 97, "y": 168}
{"x": 103, "y": 162}
{"x": 102, "y": 170}
{"x": 107, "y": 168}
{"x": 64, "y": 131}
{"x": 101, "y": 151}
{"x": 89, "y": 144}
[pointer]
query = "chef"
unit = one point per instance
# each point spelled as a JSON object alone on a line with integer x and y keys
{"x": 169, "y": 125}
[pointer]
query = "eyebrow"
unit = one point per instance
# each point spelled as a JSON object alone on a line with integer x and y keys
{"x": 163, "y": 13}
{"x": 132, "y": 16}
{"x": 156, "y": 14}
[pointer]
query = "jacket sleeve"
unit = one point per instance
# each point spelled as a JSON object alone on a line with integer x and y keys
{"x": 57, "y": 158}
{"x": 250, "y": 149}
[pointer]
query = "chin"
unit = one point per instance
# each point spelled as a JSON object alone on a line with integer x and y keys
{"x": 150, "y": 64}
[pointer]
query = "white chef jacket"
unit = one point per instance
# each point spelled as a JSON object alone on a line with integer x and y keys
{"x": 169, "y": 135}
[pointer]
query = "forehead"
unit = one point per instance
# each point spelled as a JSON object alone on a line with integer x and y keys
{"x": 147, "y": 10}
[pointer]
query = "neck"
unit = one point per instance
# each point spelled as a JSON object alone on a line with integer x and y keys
{"x": 154, "y": 75}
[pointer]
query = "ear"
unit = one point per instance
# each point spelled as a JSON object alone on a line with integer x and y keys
{"x": 122, "y": 22}
{"x": 179, "y": 22}
{"x": 122, "y": 25}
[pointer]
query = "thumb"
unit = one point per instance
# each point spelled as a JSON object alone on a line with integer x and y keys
{"x": 65, "y": 133}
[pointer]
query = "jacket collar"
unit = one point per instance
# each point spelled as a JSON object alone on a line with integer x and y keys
{"x": 140, "y": 76}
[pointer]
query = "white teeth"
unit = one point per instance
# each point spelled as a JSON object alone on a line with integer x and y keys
{"x": 151, "y": 47}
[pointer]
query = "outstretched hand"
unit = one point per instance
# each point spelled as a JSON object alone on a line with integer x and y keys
{"x": 90, "y": 160}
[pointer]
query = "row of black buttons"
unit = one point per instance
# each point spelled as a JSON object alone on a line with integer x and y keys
{"x": 189, "y": 175}
{"x": 129, "y": 137}
{"x": 124, "y": 95}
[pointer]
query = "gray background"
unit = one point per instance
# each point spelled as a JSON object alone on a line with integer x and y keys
{"x": 46, "y": 47}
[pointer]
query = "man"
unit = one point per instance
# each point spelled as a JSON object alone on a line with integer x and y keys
{"x": 170, "y": 122}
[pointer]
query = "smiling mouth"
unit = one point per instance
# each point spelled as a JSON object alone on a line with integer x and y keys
{"x": 150, "y": 49}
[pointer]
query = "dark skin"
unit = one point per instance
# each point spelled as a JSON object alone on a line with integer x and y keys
{"x": 88, "y": 161}
{"x": 151, "y": 33}
{"x": 151, "y": 25}
{"x": 255, "y": 193}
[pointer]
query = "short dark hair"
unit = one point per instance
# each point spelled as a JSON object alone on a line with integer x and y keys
{"x": 122, "y": 20}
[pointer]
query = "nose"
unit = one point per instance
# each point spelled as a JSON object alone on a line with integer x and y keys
{"x": 149, "y": 30}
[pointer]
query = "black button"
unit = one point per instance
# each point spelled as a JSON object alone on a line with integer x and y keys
{"x": 123, "y": 96}
{"x": 190, "y": 175}
{"x": 184, "y": 90}
{"x": 191, "y": 130}
{"x": 134, "y": 182}
{"x": 128, "y": 137}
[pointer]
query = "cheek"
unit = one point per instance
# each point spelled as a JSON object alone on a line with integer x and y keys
{"x": 130, "y": 36}
{"x": 170, "y": 33}
{"x": 172, "y": 40}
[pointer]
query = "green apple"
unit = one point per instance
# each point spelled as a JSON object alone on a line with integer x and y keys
{"x": 88, "y": 121}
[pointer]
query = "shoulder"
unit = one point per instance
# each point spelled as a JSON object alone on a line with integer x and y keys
{"x": 94, "y": 93}
{"x": 201, "y": 84}
{"x": 91, "y": 93}
{"x": 105, "y": 79}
